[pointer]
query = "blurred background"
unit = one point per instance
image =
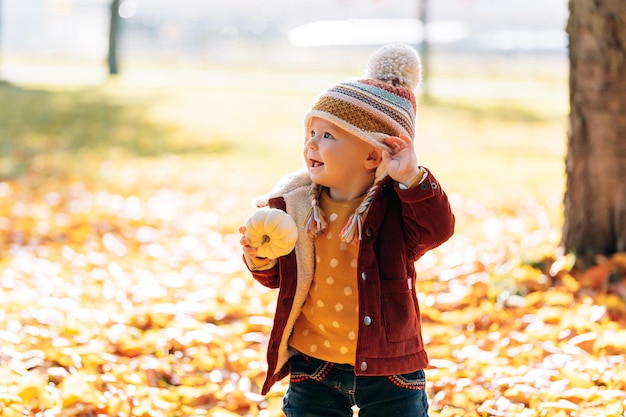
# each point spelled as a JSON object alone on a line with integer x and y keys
{"x": 71, "y": 36}
{"x": 191, "y": 69}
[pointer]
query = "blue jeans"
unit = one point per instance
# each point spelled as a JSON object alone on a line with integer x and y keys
{"x": 324, "y": 389}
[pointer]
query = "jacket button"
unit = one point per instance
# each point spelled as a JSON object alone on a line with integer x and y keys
{"x": 369, "y": 231}
{"x": 367, "y": 320}
{"x": 364, "y": 276}
{"x": 363, "y": 366}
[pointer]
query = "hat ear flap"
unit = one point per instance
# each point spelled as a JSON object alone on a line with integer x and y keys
{"x": 381, "y": 172}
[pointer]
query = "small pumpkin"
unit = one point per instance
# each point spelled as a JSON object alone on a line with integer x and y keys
{"x": 272, "y": 231}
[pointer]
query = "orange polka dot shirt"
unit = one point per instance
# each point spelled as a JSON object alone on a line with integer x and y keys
{"x": 327, "y": 326}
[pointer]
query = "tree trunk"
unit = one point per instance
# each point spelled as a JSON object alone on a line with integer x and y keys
{"x": 595, "y": 196}
{"x": 113, "y": 36}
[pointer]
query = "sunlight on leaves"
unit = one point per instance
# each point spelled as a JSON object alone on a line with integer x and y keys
{"x": 138, "y": 304}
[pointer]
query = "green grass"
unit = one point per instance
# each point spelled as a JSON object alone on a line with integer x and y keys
{"x": 58, "y": 126}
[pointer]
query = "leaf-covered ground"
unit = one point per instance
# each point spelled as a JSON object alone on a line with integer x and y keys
{"x": 123, "y": 292}
{"x": 138, "y": 305}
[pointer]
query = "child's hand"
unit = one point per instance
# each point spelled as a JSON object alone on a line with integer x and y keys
{"x": 248, "y": 250}
{"x": 401, "y": 161}
{"x": 251, "y": 255}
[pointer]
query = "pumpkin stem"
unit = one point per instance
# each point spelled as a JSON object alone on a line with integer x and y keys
{"x": 265, "y": 239}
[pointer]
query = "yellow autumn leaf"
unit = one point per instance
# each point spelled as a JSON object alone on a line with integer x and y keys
{"x": 28, "y": 391}
{"x": 619, "y": 259}
{"x": 8, "y": 398}
{"x": 76, "y": 389}
{"x": 611, "y": 342}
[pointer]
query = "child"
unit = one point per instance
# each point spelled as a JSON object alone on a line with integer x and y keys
{"x": 347, "y": 323}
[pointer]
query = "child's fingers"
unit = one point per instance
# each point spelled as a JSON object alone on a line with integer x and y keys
{"x": 398, "y": 143}
{"x": 250, "y": 251}
{"x": 243, "y": 240}
{"x": 392, "y": 141}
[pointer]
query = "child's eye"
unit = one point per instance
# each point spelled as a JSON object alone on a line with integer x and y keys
{"x": 328, "y": 136}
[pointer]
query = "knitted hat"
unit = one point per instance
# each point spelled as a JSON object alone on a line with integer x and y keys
{"x": 380, "y": 105}
{"x": 373, "y": 108}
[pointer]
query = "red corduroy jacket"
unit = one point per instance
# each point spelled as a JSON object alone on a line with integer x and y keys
{"x": 401, "y": 225}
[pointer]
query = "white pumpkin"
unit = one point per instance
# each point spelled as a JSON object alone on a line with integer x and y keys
{"x": 272, "y": 231}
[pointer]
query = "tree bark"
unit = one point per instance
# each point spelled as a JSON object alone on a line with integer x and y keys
{"x": 113, "y": 37}
{"x": 595, "y": 196}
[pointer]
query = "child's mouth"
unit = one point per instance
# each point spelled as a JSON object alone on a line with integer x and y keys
{"x": 315, "y": 164}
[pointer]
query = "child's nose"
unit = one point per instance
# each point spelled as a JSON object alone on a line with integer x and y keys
{"x": 311, "y": 143}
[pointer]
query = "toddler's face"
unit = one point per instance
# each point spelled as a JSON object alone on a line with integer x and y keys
{"x": 337, "y": 159}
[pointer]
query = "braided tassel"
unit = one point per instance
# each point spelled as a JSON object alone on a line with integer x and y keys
{"x": 355, "y": 222}
{"x": 315, "y": 223}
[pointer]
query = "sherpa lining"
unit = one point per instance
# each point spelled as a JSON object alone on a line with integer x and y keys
{"x": 294, "y": 188}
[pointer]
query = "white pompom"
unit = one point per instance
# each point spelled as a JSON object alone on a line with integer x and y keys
{"x": 397, "y": 64}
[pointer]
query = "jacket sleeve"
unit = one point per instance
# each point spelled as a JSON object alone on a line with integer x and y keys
{"x": 427, "y": 216}
{"x": 268, "y": 277}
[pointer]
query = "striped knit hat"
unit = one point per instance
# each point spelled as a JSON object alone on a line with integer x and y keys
{"x": 378, "y": 106}
{"x": 373, "y": 108}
